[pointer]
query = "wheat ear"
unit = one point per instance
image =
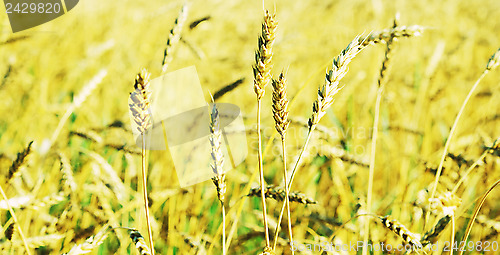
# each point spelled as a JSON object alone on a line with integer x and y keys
{"x": 430, "y": 235}
{"x": 20, "y": 159}
{"x": 262, "y": 76}
{"x": 219, "y": 179}
{"x": 383, "y": 36}
{"x": 69, "y": 184}
{"x": 139, "y": 242}
{"x": 493, "y": 62}
{"x": 140, "y": 108}
{"x": 400, "y": 230}
{"x": 279, "y": 194}
{"x": 331, "y": 87}
{"x": 173, "y": 38}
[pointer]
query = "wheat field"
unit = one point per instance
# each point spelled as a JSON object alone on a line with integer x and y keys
{"x": 384, "y": 114}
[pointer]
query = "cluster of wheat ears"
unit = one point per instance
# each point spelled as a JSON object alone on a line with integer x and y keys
{"x": 263, "y": 77}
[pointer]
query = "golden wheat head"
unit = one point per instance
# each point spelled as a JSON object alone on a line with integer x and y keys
{"x": 400, "y": 230}
{"x": 263, "y": 56}
{"x": 141, "y": 101}
{"x": 333, "y": 76}
{"x": 280, "y": 105}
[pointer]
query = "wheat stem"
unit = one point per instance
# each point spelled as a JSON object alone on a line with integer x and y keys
{"x": 224, "y": 248}
{"x": 262, "y": 76}
{"x": 294, "y": 170}
{"x": 140, "y": 108}
{"x": 452, "y": 238}
{"x": 261, "y": 175}
{"x": 145, "y": 193}
{"x": 287, "y": 199}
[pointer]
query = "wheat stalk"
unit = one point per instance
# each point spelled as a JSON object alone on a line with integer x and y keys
{"x": 217, "y": 155}
{"x": 262, "y": 76}
{"x": 141, "y": 111}
{"x": 280, "y": 115}
{"x": 217, "y": 165}
{"x": 380, "y": 91}
{"x": 325, "y": 98}
{"x": 173, "y": 38}
{"x": 474, "y": 215}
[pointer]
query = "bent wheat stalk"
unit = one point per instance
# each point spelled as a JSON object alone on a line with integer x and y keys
{"x": 326, "y": 94}
{"x": 380, "y": 91}
{"x": 493, "y": 62}
{"x": 474, "y": 215}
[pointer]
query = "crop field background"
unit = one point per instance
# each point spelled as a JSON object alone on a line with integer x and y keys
{"x": 70, "y": 170}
